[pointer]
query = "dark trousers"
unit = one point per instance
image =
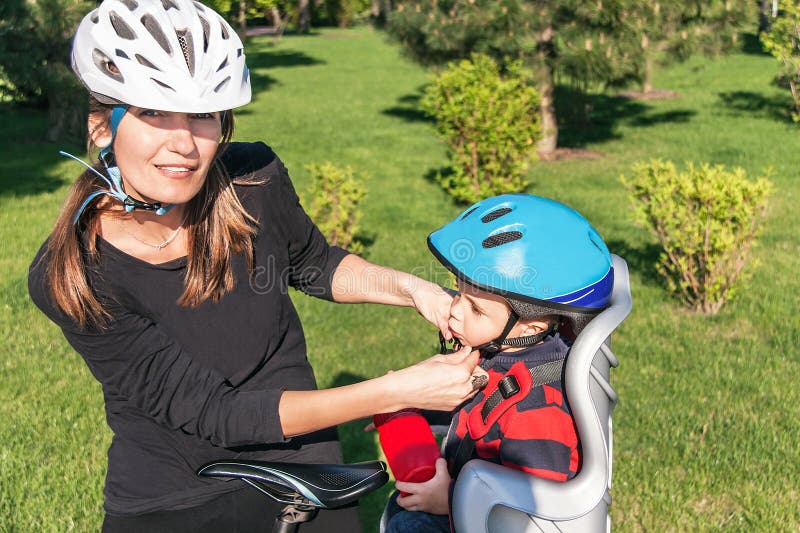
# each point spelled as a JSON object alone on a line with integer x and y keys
{"x": 241, "y": 511}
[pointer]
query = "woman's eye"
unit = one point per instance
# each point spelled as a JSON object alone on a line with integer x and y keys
{"x": 202, "y": 116}
{"x": 149, "y": 113}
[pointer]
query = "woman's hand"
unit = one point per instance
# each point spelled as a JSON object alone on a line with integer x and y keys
{"x": 433, "y": 303}
{"x": 431, "y": 496}
{"x": 440, "y": 383}
{"x": 356, "y": 280}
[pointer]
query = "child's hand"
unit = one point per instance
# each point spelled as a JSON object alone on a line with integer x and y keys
{"x": 431, "y": 496}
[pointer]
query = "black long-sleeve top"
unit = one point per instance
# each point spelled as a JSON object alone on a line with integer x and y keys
{"x": 184, "y": 386}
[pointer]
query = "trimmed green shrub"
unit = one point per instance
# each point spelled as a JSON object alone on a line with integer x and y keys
{"x": 489, "y": 121}
{"x": 706, "y": 220}
{"x": 335, "y": 195}
{"x": 783, "y": 41}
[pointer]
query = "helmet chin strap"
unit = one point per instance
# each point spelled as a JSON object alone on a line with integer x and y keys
{"x": 114, "y": 178}
{"x": 492, "y": 347}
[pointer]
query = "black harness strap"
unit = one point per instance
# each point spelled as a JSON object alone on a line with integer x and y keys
{"x": 506, "y": 387}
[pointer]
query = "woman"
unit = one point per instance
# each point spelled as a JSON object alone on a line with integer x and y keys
{"x": 168, "y": 271}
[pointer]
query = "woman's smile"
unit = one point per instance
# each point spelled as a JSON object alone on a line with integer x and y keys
{"x": 173, "y": 171}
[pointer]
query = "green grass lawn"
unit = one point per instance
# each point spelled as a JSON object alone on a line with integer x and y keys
{"x": 708, "y": 418}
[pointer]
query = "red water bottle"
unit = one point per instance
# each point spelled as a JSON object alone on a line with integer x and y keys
{"x": 408, "y": 444}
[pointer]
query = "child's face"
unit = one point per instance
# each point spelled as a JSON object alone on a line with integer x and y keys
{"x": 477, "y": 316}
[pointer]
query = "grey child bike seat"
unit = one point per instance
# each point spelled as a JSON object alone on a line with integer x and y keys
{"x": 492, "y": 498}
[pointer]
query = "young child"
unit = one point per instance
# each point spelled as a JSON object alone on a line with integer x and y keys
{"x": 528, "y": 269}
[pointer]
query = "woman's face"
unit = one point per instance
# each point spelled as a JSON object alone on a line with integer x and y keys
{"x": 165, "y": 156}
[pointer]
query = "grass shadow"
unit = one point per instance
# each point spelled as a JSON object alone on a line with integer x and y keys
{"x": 265, "y": 57}
{"x": 675, "y": 116}
{"x": 26, "y": 159}
{"x": 273, "y": 57}
{"x": 436, "y": 176}
{"x": 408, "y": 108}
{"x": 640, "y": 259}
{"x": 366, "y": 239}
{"x": 751, "y": 45}
{"x": 757, "y": 104}
{"x": 589, "y": 118}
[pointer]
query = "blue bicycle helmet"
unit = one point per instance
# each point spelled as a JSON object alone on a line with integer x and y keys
{"x": 543, "y": 257}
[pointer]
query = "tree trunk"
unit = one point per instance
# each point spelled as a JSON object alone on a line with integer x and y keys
{"x": 545, "y": 85}
{"x": 275, "y": 15}
{"x": 549, "y": 140}
{"x": 304, "y": 19}
{"x": 279, "y": 23}
{"x": 764, "y": 12}
{"x": 66, "y": 115}
{"x": 66, "y": 105}
{"x": 647, "y": 75}
{"x": 242, "y": 30}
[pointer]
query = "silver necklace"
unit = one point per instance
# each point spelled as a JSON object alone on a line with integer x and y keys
{"x": 158, "y": 246}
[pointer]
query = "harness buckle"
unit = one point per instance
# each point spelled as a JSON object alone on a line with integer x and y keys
{"x": 508, "y": 387}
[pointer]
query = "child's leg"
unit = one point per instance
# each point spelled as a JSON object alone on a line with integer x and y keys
{"x": 402, "y": 521}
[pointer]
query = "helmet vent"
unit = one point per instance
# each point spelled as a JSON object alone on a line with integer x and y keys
{"x": 501, "y": 238}
{"x": 95, "y": 18}
{"x": 162, "y": 84}
{"x": 121, "y": 27}
{"x": 468, "y": 213}
{"x": 130, "y": 4}
{"x": 146, "y": 63}
{"x": 206, "y": 33}
{"x": 120, "y": 53}
{"x": 151, "y": 25}
{"x": 494, "y": 215}
{"x": 185, "y": 40}
{"x": 222, "y": 85}
{"x": 168, "y": 4}
{"x": 223, "y": 64}
{"x": 106, "y": 66}
{"x": 224, "y": 31}
{"x": 200, "y": 7}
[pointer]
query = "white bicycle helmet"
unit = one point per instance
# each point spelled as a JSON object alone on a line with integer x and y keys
{"x": 169, "y": 55}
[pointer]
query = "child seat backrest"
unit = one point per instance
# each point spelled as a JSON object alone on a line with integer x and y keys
{"x": 492, "y": 498}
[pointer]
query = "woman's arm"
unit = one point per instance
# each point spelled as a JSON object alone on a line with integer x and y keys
{"x": 440, "y": 382}
{"x": 356, "y": 280}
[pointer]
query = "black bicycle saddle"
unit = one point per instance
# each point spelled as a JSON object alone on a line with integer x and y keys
{"x": 323, "y": 486}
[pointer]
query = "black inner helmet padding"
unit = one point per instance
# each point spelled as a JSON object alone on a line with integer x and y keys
{"x": 185, "y": 40}
{"x": 529, "y": 310}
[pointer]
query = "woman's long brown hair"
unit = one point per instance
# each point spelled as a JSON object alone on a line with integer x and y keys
{"x": 218, "y": 228}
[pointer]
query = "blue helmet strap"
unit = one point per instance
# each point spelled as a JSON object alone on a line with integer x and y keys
{"x": 113, "y": 121}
